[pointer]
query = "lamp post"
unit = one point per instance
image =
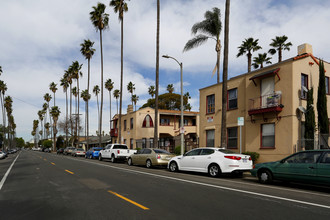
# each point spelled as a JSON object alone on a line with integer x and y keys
{"x": 182, "y": 125}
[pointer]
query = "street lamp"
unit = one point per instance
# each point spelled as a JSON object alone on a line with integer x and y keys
{"x": 182, "y": 125}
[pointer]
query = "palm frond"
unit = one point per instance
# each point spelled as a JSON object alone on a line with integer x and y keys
{"x": 195, "y": 42}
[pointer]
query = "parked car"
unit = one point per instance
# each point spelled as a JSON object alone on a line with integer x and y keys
{"x": 68, "y": 150}
{"x": 150, "y": 157}
{"x": 78, "y": 152}
{"x": 60, "y": 151}
{"x": 93, "y": 152}
{"x": 116, "y": 152}
{"x": 47, "y": 150}
{"x": 213, "y": 161}
{"x": 306, "y": 166}
{"x": 2, "y": 155}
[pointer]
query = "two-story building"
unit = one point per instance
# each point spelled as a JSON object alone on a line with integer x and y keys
{"x": 137, "y": 129}
{"x": 272, "y": 100}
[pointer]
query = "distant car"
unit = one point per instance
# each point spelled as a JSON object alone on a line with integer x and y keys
{"x": 46, "y": 150}
{"x": 150, "y": 157}
{"x": 213, "y": 161}
{"x": 306, "y": 166}
{"x": 2, "y": 155}
{"x": 78, "y": 152}
{"x": 93, "y": 152}
{"x": 60, "y": 151}
{"x": 68, "y": 150}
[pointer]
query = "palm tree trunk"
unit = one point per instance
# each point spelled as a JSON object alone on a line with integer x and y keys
{"x": 78, "y": 118}
{"x": 71, "y": 124}
{"x": 66, "y": 117}
{"x": 100, "y": 125}
{"x": 121, "y": 77}
{"x": 110, "y": 108}
{"x": 249, "y": 55}
{"x": 218, "y": 50}
{"x": 225, "y": 76}
{"x": 279, "y": 55}
{"x": 87, "y": 127}
{"x": 157, "y": 78}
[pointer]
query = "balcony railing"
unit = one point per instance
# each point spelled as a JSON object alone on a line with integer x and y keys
{"x": 114, "y": 132}
{"x": 267, "y": 103}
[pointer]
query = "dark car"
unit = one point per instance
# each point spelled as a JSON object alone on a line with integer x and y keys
{"x": 60, "y": 151}
{"x": 306, "y": 166}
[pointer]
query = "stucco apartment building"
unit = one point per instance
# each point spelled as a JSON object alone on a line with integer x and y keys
{"x": 138, "y": 128}
{"x": 271, "y": 100}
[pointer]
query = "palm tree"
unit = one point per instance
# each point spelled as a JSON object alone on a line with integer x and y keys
{"x": 116, "y": 95}
{"x": 55, "y": 113}
{"x": 135, "y": 99}
{"x": 47, "y": 126}
{"x": 279, "y": 44}
{"x": 75, "y": 94}
{"x": 87, "y": 51}
{"x": 151, "y": 91}
{"x": 155, "y": 142}
{"x": 53, "y": 88}
{"x": 100, "y": 21}
{"x": 130, "y": 89}
{"x": 8, "y": 106}
{"x": 170, "y": 88}
{"x": 109, "y": 86}
{"x": 47, "y": 98}
{"x": 65, "y": 85}
{"x": 210, "y": 28}
{"x": 41, "y": 118}
{"x": 3, "y": 89}
{"x": 86, "y": 97}
{"x": 0, "y": 70}
{"x": 247, "y": 47}
{"x": 260, "y": 60}
{"x": 120, "y": 6}
{"x": 68, "y": 77}
{"x": 96, "y": 91}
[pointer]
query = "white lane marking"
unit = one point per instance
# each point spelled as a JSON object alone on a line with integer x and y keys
{"x": 218, "y": 187}
{"x": 7, "y": 173}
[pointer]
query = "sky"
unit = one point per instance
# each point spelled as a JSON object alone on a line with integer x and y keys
{"x": 41, "y": 38}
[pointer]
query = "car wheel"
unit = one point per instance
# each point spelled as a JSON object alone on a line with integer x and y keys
{"x": 173, "y": 167}
{"x": 113, "y": 159}
{"x": 148, "y": 164}
{"x": 129, "y": 162}
{"x": 100, "y": 157}
{"x": 214, "y": 170}
{"x": 265, "y": 176}
{"x": 91, "y": 156}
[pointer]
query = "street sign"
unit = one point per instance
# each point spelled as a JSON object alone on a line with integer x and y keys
{"x": 182, "y": 130}
{"x": 240, "y": 121}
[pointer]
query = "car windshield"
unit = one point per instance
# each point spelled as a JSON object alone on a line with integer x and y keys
{"x": 99, "y": 148}
{"x": 160, "y": 151}
{"x": 80, "y": 149}
{"x": 225, "y": 151}
{"x": 120, "y": 147}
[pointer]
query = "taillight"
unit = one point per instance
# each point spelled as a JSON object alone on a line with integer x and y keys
{"x": 250, "y": 158}
{"x": 233, "y": 157}
{"x": 158, "y": 156}
{"x": 118, "y": 151}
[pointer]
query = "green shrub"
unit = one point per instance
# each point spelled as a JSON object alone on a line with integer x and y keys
{"x": 254, "y": 155}
{"x": 177, "y": 150}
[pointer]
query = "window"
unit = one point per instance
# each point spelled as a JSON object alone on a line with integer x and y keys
{"x": 326, "y": 158}
{"x": 207, "y": 152}
{"x": 147, "y": 122}
{"x": 194, "y": 152}
{"x": 151, "y": 140}
{"x": 304, "y": 83}
{"x": 185, "y": 122}
{"x": 232, "y": 138}
{"x": 165, "y": 121}
{"x": 232, "y": 99}
{"x": 327, "y": 85}
{"x": 209, "y": 138}
{"x": 210, "y": 104}
{"x": 144, "y": 140}
{"x": 268, "y": 136}
{"x": 131, "y": 143}
{"x": 125, "y": 125}
{"x": 147, "y": 151}
{"x": 131, "y": 123}
{"x": 304, "y": 157}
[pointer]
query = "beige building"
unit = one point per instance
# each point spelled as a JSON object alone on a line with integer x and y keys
{"x": 272, "y": 100}
{"x": 138, "y": 128}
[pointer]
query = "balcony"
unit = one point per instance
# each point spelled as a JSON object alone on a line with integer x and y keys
{"x": 267, "y": 103}
{"x": 114, "y": 132}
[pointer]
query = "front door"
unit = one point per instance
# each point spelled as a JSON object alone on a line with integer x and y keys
{"x": 267, "y": 89}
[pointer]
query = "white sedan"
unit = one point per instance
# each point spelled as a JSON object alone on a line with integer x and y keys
{"x": 211, "y": 160}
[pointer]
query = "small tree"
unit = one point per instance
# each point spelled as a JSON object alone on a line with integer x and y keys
{"x": 323, "y": 122}
{"x": 310, "y": 119}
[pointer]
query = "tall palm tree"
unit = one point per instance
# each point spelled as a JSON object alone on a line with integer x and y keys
{"x": 135, "y": 99}
{"x": 45, "y": 109}
{"x": 120, "y": 6}
{"x": 210, "y": 28}
{"x": 247, "y": 47}
{"x": 96, "y": 91}
{"x": 48, "y": 98}
{"x": 116, "y": 95}
{"x": 87, "y": 51}
{"x": 53, "y": 88}
{"x": 155, "y": 141}
{"x": 109, "y": 86}
{"x": 279, "y": 44}
{"x": 0, "y": 70}
{"x": 170, "y": 88}
{"x": 151, "y": 91}
{"x": 76, "y": 116}
{"x": 9, "y": 109}
{"x": 47, "y": 126}
{"x": 65, "y": 85}
{"x": 68, "y": 77}
{"x": 130, "y": 89}
{"x": 3, "y": 89}
{"x": 55, "y": 113}
{"x": 100, "y": 20}
{"x": 86, "y": 97}
{"x": 41, "y": 118}
{"x": 260, "y": 60}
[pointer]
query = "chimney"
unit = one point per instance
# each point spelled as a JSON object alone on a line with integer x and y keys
{"x": 305, "y": 48}
{"x": 129, "y": 109}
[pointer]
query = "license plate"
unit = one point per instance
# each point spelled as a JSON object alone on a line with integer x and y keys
{"x": 244, "y": 160}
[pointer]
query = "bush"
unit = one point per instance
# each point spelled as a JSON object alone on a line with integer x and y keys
{"x": 254, "y": 155}
{"x": 177, "y": 150}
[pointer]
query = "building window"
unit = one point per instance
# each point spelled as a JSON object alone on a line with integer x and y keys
{"x": 185, "y": 122}
{"x": 131, "y": 143}
{"x": 232, "y": 138}
{"x": 131, "y": 123}
{"x": 144, "y": 140}
{"x": 124, "y": 141}
{"x": 209, "y": 138}
{"x": 268, "y": 136}
{"x": 210, "y": 104}
{"x": 327, "y": 85}
{"x": 147, "y": 122}
{"x": 151, "y": 142}
{"x": 164, "y": 121}
{"x": 304, "y": 86}
{"x": 232, "y": 99}
{"x": 125, "y": 125}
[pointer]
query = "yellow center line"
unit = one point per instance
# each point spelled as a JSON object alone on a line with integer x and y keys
{"x": 69, "y": 171}
{"x": 128, "y": 200}
{"x": 53, "y": 163}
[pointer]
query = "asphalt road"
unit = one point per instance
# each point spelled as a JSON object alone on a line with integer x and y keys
{"x": 49, "y": 186}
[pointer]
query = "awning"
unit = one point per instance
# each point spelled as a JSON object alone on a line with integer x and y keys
{"x": 265, "y": 74}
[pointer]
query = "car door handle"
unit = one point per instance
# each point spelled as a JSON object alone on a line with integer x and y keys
{"x": 311, "y": 168}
